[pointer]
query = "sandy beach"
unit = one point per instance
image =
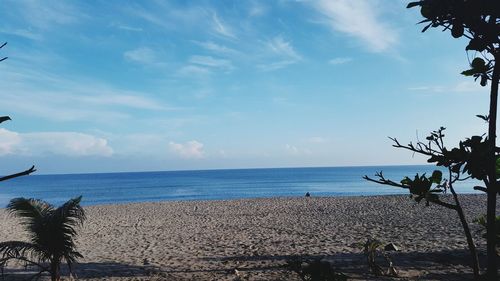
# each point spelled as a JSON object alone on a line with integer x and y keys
{"x": 208, "y": 240}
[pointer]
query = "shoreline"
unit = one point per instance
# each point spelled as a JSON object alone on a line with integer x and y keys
{"x": 207, "y": 240}
{"x": 406, "y": 195}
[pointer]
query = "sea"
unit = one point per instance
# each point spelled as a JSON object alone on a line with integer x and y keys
{"x": 115, "y": 188}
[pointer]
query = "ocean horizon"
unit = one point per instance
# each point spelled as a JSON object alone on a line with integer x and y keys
{"x": 214, "y": 184}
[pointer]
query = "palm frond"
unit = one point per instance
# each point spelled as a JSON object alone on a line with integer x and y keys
{"x": 22, "y": 251}
{"x": 66, "y": 218}
{"x": 51, "y": 230}
{"x": 32, "y": 211}
{"x": 71, "y": 214}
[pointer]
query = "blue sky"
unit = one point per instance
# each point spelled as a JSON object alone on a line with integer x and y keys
{"x": 101, "y": 86}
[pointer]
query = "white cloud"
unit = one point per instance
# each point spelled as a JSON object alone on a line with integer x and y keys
{"x": 360, "y": 19}
{"x": 8, "y": 141}
{"x": 142, "y": 55}
{"x": 193, "y": 70}
{"x": 208, "y": 61}
{"x": 221, "y": 28}
{"x": 283, "y": 48}
{"x": 133, "y": 101}
{"x": 468, "y": 86}
{"x": 283, "y": 51}
{"x": 22, "y": 33}
{"x": 59, "y": 143}
{"x": 38, "y": 93}
{"x": 189, "y": 150}
{"x": 216, "y": 48}
{"x": 46, "y": 14}
{"x": 341, "y": 60}
{"x": 460, "y": 87}
{"x": 126, "y": 27}
{"x": 167, "y": 15}
{"x": 257, "y": 9}
{"x": 201, "y": 66}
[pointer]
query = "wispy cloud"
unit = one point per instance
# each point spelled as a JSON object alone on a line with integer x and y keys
{"x": 127, "y": 100}
{"x": 221, "y": 28}
{"x": 59, "y": 143}
{"x": 460, "y": 87}
{"x": 360, "y": 19}
{"x": 47, "y": 14}
{"x": 257, "y": 9}
{"x": 142, "y": 55}
{"x": 25, "y": 33}
{"x": 282, "y": 51}
{"x": 201, "y": 66}
{"x": 166, "y": 15}
{"x": 283, "y": 48}
{"x": 341, "y": 60}
{"x": 127, "y": 27}
{"x": 59, "y": 98}
{"x": 217, "y": 48}
{"x": 212, "y": 62}
{"x": 193, "y": 71}
{"x": 189, "y": 150}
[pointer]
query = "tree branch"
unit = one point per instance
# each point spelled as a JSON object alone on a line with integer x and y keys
{"x": 24, "y": 173}
{"x": 4, "y": 118}
{"x": 421, "y": 148}
{"x": 480, "y": 188}
{"x": 384, "y": 181}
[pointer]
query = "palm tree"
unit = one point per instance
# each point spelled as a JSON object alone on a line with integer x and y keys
{"x": 51, "y": 231}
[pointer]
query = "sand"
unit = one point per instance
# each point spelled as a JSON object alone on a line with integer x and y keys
{"x": 208, "y": 240}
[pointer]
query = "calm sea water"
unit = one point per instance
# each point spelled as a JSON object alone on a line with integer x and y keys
{"x": 209, "y": 184}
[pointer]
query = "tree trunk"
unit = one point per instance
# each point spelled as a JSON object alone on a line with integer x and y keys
{"x": 492, "y": 186}
{"x": 470, "y": 241}
{"x": 55, "y": 268}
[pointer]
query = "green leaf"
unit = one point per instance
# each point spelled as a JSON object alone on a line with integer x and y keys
{"x": 436, "y": 177}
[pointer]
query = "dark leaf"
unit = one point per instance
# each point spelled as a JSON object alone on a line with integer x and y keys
{"x": 436, "y": 177}
{"x": 413, "y": 4}
{"x": 484, "y": 80}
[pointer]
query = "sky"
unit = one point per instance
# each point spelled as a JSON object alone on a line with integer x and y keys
{"x": 115, "y": 86}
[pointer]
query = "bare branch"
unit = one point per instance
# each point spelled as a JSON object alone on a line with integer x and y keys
{"x": 4, "y": 118}
{"x": 480, "y": 188}
{"x": 383, "y": 180}
{"x": 420, "y": 148}
{"x": 24, "y": 173}
{"x": 1, "y": 46}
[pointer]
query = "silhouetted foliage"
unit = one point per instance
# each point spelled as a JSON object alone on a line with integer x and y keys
{"x": 429, "y": 188}
{"x": 476, "y": 157}
{"x": 314, "y": 270}
{"x": 482, "y": 221}
{"x": 51, "y": 231}
{"x": 376, "y": 256}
